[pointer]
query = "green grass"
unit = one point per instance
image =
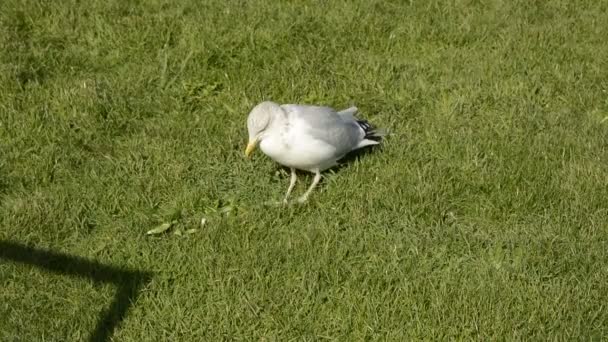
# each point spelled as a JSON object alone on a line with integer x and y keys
{"x": 483, "y": 216}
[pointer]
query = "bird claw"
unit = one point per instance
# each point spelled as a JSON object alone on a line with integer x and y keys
{"x": 275, "y": 203}
{"x": 285, "y": 202}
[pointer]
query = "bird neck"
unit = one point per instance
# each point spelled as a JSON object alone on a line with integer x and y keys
{"x": 278, "y": 121}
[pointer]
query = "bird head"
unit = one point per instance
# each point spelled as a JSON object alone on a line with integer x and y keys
{"x": 257, "y": 122}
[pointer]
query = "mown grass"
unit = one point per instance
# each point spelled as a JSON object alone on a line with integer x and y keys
{"x": 483, "y": 216}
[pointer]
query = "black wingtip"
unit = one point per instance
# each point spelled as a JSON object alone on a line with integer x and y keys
{"x": 370, "y": 131}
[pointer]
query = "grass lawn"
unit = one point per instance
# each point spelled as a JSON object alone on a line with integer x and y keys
{"x": 483, "y": 216}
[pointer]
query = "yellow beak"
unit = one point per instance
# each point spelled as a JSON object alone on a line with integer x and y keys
{"x": 250, "y": 147}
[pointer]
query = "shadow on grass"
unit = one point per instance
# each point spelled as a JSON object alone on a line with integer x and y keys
{"x": 129, "y": 282}
{"x": 356, "y": 155}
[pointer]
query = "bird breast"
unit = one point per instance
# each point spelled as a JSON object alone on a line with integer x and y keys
{"x": 294, "y": 148}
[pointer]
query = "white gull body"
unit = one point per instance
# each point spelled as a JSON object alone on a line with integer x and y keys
{"x": 309, "y": 138}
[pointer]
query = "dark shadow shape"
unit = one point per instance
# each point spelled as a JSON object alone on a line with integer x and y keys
{"x": 356, "y": 155}
{"x": 129, "y": 282}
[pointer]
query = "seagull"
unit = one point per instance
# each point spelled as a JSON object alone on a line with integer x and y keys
{"x": 308, "y": 138}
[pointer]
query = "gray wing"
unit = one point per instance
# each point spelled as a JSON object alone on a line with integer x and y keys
{"x": 341, "y": 131}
